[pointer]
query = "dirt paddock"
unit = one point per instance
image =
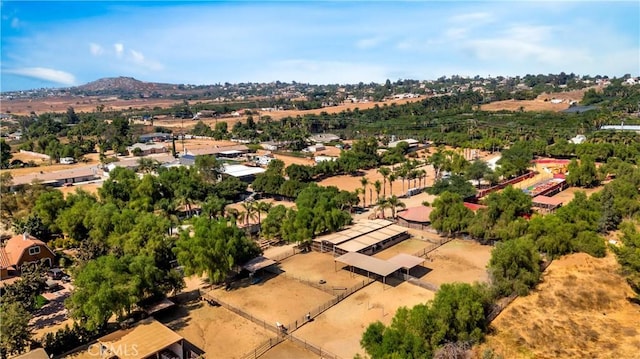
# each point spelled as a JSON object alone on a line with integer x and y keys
{"x": 458, "y": 261}
{"x": 275, "y": 299}
{"x": 340, "y": 328}
{"x": 216, "y": 330}
{"x": 315, "y": 266}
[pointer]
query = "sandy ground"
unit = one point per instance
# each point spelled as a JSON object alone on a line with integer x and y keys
{"x": 274, "y": 299}
{"x": 408, "y": 246}
{"x": 340, "y": 328}
{"x": 580, "y": 310}
{"x": 458, "y": 261}
{"x": 568, "y": 194}
{"x": 216, "y": 330}
{"x": 314, "y": 266}
{"x": 288, "y": 350}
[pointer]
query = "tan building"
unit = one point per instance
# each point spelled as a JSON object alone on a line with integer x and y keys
{"x": 20, "y": 250}
{"x": 147, "y": 339}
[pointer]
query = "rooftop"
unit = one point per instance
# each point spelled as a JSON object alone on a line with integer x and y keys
{"x": 148, "y": 337}
{"x": 52, "y": 177}
{"x": 242, "y": 170}
{"x": 416, "y": 214}
{"x": 369, "y": 264}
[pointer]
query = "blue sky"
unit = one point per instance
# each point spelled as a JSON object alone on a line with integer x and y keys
{"x": 59, "y": 43}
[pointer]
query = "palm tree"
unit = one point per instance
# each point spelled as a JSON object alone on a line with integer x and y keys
{"x": 382, "y": 204}
{"x": 263, "y": 207}
{"x": 385, "y": 172}
{"x": 394, "y": 202}
{"x": 364, "y": 181}
{"x": 232, "y": 215}
{"x": 147, "y": 165}
{"x": 249, "y": 211}
{"x": 378, "y": 187}
{"x": 214, "y": 207}
{"x": 392, "y": 177}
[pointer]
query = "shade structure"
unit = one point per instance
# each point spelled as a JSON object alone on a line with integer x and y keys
{"x": 406, "y": 261}
{"x": 258, "y": 263}
{"x": 369, "y": 264}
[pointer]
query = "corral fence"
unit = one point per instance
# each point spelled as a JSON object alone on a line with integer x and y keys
{"x": 216, "y": 301}
{"x": 304, "y": 281}
{"x": 263, "y": 348}
{"x": 322, "y": 353}
{"x": 328, "y": 304}
{"x": 286, "y": 334}
{"x": 287, "y": 254}
{"x": 433, "y": 246}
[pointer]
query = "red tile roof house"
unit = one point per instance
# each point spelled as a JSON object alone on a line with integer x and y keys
{"x": 20, "y": 250}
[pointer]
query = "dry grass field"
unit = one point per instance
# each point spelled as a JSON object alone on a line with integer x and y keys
{"x": 580, "y": 310}
{"x": 541, "y": 103}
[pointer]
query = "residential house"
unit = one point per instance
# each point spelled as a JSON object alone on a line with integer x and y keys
{"x": 147, "y": 339}
{"x": 20, "y": 250}
{"x": 58, "y": 178}
{"x": 145, "y": 149}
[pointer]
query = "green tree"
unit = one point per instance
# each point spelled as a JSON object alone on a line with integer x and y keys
{"x": 214, "y": 249}
{"x": 628, "y": 254}
{"x": 456, "y": 314}
{"x": 454, "y": 184}
{"x": 102, "y": 289}
{"x": 209, "y": 167}
{"x": 5, "y": 154}
{"x": 385, "y": 172}
{"x": 514, "y": 266}
{"x": 16, "y": 333}
{"x": 477, "y": 170}
{"x": 377, "y": 185}
{"x": 364, "y": 181}
{"x": 516, "y": 160}
{"x": 395, "y": 203}
{"x": 450, "y": 216}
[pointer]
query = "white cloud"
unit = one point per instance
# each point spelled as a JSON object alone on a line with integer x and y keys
{"x": 136, "y": 56}
{"x": 119, "y": 48}
{"x": 369, "y": 43}
{"x": 43, "y": 73}
{"x": 95, "y": 49}
{"x": 15, "y": 23}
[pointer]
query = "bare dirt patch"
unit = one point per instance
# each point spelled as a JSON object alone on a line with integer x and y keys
{"x": 409, "y": 246}
{"x": 542, "y": 103}
{"x": 288, "y": 350}
{"x": 316, "y": 266}
{"x": 458, "y": 261}
{"x": 580, "y": 310}
{"x": 275, "y": 299}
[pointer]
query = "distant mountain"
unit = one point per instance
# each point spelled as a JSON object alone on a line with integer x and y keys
{"x": 122, "y": 84}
